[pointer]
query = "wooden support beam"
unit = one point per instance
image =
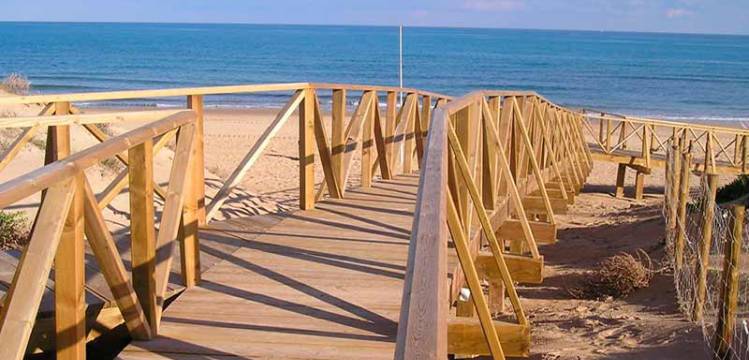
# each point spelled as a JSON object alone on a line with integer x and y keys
{"x": 543, "y": 232}
{"x": 114, "y": 272}
{"x": 195, "y": 103}
{"x": 465, "y": 337}
{"x": 143, "y": 237}
{"x": 338, "y": 118}
{"x": 621, "y": 173}
{"x": 538, "y": 205}
{"x": 19, "y": 311}
{"x": 639, "y": 185}
{"x": 307, "y": 151}
{"x": 523, "y": 269}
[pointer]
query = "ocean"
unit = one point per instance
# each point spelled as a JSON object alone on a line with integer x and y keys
{"x": 675, "y": 76}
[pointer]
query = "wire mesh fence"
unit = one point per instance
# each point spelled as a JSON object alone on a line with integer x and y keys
{"x": 707, "y": 242}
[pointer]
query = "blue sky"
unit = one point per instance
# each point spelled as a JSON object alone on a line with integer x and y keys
{"x": 701, "y": 16}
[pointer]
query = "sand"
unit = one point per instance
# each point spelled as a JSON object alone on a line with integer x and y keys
{"x": 644, "y": 325}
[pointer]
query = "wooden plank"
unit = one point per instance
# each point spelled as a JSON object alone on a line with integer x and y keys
{"x": 142, "y": 236}
{"x": 523, "y": 269}
{"x": 21, "y": 304}
{"x": 538, "y": 205}
{"x": 422, "y": 326}
{"x": 465, "y": 337}
{"x": 543, "y": 232}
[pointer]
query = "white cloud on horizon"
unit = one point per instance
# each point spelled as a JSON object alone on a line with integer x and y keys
{"x": 494, "y": 5}
{"x": 673, "y": 13}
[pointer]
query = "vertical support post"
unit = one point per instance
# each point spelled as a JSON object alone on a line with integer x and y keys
{"x": 408, "y": 141}
{"x": 623, "y": 135}
{"x": 142, "y": 235}
{"x": 307, "y": 150}
{"x": 70, "y": 277}
{"x": 608, "y": 134}
{"x": 674, "y": 188}
{"x": 729, "y": 293}
{"x": 621, "y": 172}
{"x": 188, "y": 232}
{"x": 337, "y": 140}
{"x": 390, "y": 115}
{"x": 639, "y": 185}
{"x": 736, "y": 145}
{"x": 682, "y": 211}
{"x": 744, "y": 145}
{"x": 368, "y": 145}
{"x": 601, "y": 138}
{"x": 703, "y": 261}
{"x": 195, "y": 103}
{"x": 496, "y": 296}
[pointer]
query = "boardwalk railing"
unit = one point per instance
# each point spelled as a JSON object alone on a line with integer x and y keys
{"x": 641, "y": 144}
{"x": 372, "y": 130}
{"x": 388, "y": 139}
{"x": 69, "y": 209}
{"x": 496, "y": 167}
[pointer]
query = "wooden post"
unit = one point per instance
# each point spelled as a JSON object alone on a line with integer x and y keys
{"x": 729, "y": 293}
{"x": 639, "y": 185}
{"x": 744, "y": 145}
{"x": 337, "y": 141}
{"x": 368, "y": 145}
{"x": 195, "y": 103}
{"x": 623, "y": 135}
{"x": 608, "y": 134}
{"x": 408, "y": 141}
{"x": 674, "y": 188}
{"x": 307, "y": 150}
{"x": 703, "y": 262}
{"x": 188, "y": 235}
{"x": 390, "y": 116}
{"x": 601, "y": 138}
{"x": 621, "y": 172}
{"x": 682, "y": 211}
{"x": 70, "y": 279}
{"x": 496, "y": 296}
{"x": 142, "y": 235}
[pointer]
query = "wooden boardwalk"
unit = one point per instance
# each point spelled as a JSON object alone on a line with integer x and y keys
{"x": 323, "y": 283}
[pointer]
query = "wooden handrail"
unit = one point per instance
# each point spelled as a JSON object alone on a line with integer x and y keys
{"x": 42, "y": 178}
{"x": 549, "y": 148}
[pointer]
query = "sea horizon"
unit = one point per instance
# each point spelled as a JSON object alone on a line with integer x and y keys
{"x": 666, "y": 75}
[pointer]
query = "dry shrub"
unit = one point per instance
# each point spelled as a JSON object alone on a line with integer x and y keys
{"x": 14, "y": 230}
{"x": 617, "y": 276}
{"x": 16, "y": 83}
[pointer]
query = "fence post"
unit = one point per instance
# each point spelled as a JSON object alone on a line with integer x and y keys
{"x": 682, "y": 211}
{"x": 142, "y": 234}
{"x": 195, "y": 103}
{"x": 307, "y": 150}
{"x": 337, "y": 146}
{"x": 675, "y": 177}
{"x": 729, "y": 294}
{"x": 707, "y": 239}
{"x": 744, "y": 145}
{"x": 70, "y": 304}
